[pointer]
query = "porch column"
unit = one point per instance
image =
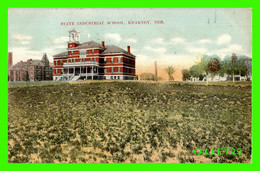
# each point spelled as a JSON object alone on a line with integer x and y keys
{"x": 92, "y": 72}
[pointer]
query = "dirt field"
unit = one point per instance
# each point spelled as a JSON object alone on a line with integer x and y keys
{"x": 128, "y": 122}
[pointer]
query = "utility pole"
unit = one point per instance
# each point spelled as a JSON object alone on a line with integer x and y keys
{"x": 155, "y": 67}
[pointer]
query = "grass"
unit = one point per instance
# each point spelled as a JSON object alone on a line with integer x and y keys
{"x": 106, "y": 121}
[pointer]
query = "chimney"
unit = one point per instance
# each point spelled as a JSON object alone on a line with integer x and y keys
{"x": 103, "y": 44}
{"x": 10, "y": 59}
{"x": 128, "y": 49}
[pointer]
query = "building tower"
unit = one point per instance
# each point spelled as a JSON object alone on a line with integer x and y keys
{"x": 45, "y": 59}
{"x": 74, "y": 38}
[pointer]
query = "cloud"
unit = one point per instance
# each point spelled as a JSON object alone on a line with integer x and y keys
{"x": 21, "y": 37}
{"x": 130, "y": 40}
{"x": 224, "y": 39}
{"x": 178, "y": 40}
{"x": 25, "y": 42}
{"x": 196, "y": 50}
{"x": 24, "y": 53}
{"x": 60, "y": 40}
{"x": 205, "y": 41}
{"x": 155, "y": 50}
{"x": 238, "y": 49}
{"x": 159, "y": 40}
{"x": 113, "y": 37}
{"x": 133, "y": 50}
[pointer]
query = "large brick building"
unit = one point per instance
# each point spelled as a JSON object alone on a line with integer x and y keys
{"x": 91, "y": 60}
{"x": 30, "y": 70}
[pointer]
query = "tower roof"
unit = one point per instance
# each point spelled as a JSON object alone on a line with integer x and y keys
{"x": 44, "y": 57}
{"x": 74, "y": 31}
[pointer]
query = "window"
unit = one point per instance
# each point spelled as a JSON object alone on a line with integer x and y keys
{"x": 111, "y": 77}
{"x": 111, "y": 69}
{"x": 82, "y": 52}
{"x": 105, "y": 60}
{"x": 111, "y": 60}
{"x": 92, "y": 51}
{"x": 94, "y": 59}
{"x": 118, "y": 77}
{"x": 115, "y": 77}
{"x": 119, "y": 60}
{"x": 105, "y": 70}
{"x": 118, "y": 69}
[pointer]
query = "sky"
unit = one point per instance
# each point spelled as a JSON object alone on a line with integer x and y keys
{"x": 184, "y": 34}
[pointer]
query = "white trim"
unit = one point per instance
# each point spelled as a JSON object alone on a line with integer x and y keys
{"x": 118, "y": 53}
{"x": 116, "y": 56}
{"x": 116, "y": 66}
{"x": 74, "y": 64}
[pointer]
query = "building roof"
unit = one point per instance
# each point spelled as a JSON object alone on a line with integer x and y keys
{"x": 61, "y": 54}
{"x": 35, "y": 62}
{"x": 44, "y": 57}
{"x": 17, "y": 66}
{"x": 110, "y": 49}
{"x": 115, "y": 49}
{"x": 21, "y": 65}
{"x": 91, "y": 44}
{"x": 73, "y": 30}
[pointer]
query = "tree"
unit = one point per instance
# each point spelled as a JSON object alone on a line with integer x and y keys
{"x": 170, "y": 70}
{"x": 195, "y": 71}
{"x": 214, "y": 65}
{"x": 185, "y": 74}
{"x": 203, "y": 65}
{"x": 242, "y": 67}
{"x": 147, "y": 76}
{"x": 235, "y": 65}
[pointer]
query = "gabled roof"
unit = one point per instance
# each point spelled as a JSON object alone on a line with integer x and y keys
{"x": 34, "y": 62}
{"x": 17, "y": 66}
{"x": 61, "y": 54}
{"x": 110, "y": 49}
{"x": 115, "y": 49}
{"x": 91, "y": 44}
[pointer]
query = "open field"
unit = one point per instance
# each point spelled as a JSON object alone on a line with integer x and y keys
{"x": 128, "y": 122}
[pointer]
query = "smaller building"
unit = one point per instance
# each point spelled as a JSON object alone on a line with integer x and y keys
{"x": 31, "y": 70}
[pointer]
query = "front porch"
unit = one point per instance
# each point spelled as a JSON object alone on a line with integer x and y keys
{"x": 80, "y": 70}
